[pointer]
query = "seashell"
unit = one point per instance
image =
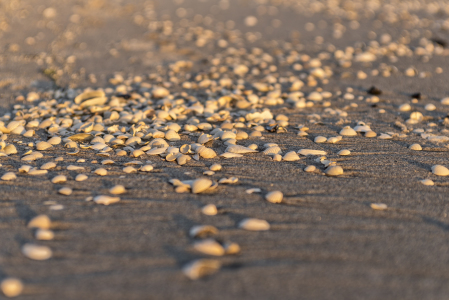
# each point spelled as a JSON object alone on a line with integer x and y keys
{"x": 101, "y": 172}
{"x": 378, "y": 206}
{"x": 129, "y": 170}
{"x": 81, "y": 137}
{"x": 25, "y": 169}
{"x": 335, "y": 171}
{"x": 74, "y": 152}
{"x": 239, "y": 149}
{"x": 71, "y": 145}
{"x": 370, "y": 134}
{"x": 231, "y": 248}
{"x": 209, "y": 247}
{"x": 207, "y": 153}
{"x": 44, "y": 235}
{"x": 88, "y": 95}
{"x": 427, "y": 182}
{"x": 158, "y": 143}
{"x": 362, "y": 128}
{"x": 310, "y": 169}
{"x": 204, "y": 138}
{"x": 185, "y": 149}
{"x": 348, "y": 131}
{"x": 10, "y": 149}
{"x": 344, "y": 152}
{"x": 274, "y": 197}
{"x": 215, "y": 167}
{"x": 80, "y": 177}
{"x": 253, "y": 190}
{"x": 59, "y": 179}
{"x": 201, "y": 268}
{"x": 228, "y": 180}
{"x": 56, "y": 140}
{"x": 172, "y": 156}
{"x": 146, "y": 168}
{"x": 40, "y": 221}
{"x": 200, "y": 185}
{"x": 209, "y": 210}
{"x": 228, "y": 135}
{"x": 277, "y": 157}
{"x": 9, "y": 176}
{"x": 201, "y": 231}
{"x": 241, "y": 135}
{"x": 106, "y": 200}
{"x": 160, "y": 92}
{"x": 230, "y": 155}
{"x": 65, "y": 191}
{"x": 334, "y": 139}
{"x": 416, "y": 147}
{"x": 37, "y": 172}
{"x": 48, "y": 166}
{"x": 182, "y": 160}
{"x": 253, "y": 146}
{"x": 320, "y": 139}
{"x": 272, "y": 150}
{"x": 156, "y": 151}
{"x": 11, "y": 287}
{"x": 36, "y": 252}
{"x": 94, "y": 102}
{"x": 107, "y": 162}
{"x": 172, "y": 135}
{"x": 117, "y": 190}
{"x": 440, "y": 170}
{"x": 254, "y": 225}
{"x": 291, "y": 156}
{"x": 190, "y": 127}
{"x": 306, "y": 152}
{"x": 74, "y": 168}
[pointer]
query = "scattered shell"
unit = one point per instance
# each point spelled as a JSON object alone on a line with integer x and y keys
{"x": 239, "y": 149}
{"x": 146, "y": 168}
{"x": 416, "y": 147}
{"x": 200, "y": 185}
{"x": 253, "y": 190}
{"x": 370, "y": 134}
{"x": 427, "y": 182}
{"x": 40, "y": 221}
{"x": 272, "y": 151}
{"x": 215, "y": 167}
{"x": 56, "y": 140}
{"x": 36, "y": 252}
{"x": 106, "y": 200}
{"x": 201, "y": 268}
{"x": 209, "y": 209}
{"x": 117, "y": 190}
{"x": 129, "y": 170}
{"x": 344, "y": 152}
{"x": 348, "y": 131}
{"x": 291, "y": 156}
{"x": 334, "y": 171}
{"x": 101, "y": 172}
{"x": 230, "y": 155}
{"x": 310, "y": 169}
{"x": 306, "y": 152}
{"x": 231, "y": 248}
{"x": 209, "y": 247}
{"x": 254, "y": 225}
{"x": 320, "y": 139}
{"x": 65, "y": 191}
{"x": 229, "y": 180}
{"x": 44, "y": 235}
{"x": 74, "y": 168}
{"x": 201, "y": 231}
{"x": 9, "y": 176}
{"x": 11, "y": 287}
{"x": 274, "y": 197}
{"x": 48, "y": 166}
{"x": 379, "y": 206}
{"x": 41, "y": 146}
{"x": 36, "y": 172}
{"x": 59, "y": 179}
{"x": 440, "y": 170}
{"x": 80, "y": 177}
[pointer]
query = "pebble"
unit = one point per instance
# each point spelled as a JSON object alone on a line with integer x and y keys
{"x": 36, "y": 252}
{"x": 440, "y": 170}
{"x": 11, "y": 287}
{"x": 274, "y": 197}
{"x": 254, "y": 225}
{"x": 209, "y": 210}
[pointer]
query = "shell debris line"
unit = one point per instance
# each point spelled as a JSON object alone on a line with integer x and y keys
{"x": 222, "y": 116}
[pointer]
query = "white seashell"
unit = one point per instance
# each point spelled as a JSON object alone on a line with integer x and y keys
{"x": 291, "y": 156}
{"x": 209, "y": 173}
{"x": 215, "y": 167}
{"x": 378, "y": 206}
{"x": 74, "y": 168}
{"x": 158, "y": 142}
{"x": 40, "y": 221}
{"x": 11, "y": 287}
{"x": 209, "y": 210}
{"x": 274, "y": 197}
{"x": 117, "y": 190}
{"x": 37, "y": 172}
{"x": 48, "y": 166}
{"x": 344, "y": 152}
{"x": 204, "y": 138}
{"x": 201, "y": 268}
{"x": 228, "y": 135}
{"x": 445, "y": 101}
{"x": 200, "y": 185}
{"x": 348, "y": 131}
{"x": 172, "y": 135}
{"x": 129, "y": 170}
{"x": 10, "y": 149}
{"x": 25, "y": 169}
{"x": 207, "y": 153}
{"x": 272, "y": 151}
{"x": 36, "y": 252}
{"x": 65, "y": 191}
{"x": 9, "y": 176}
{"x": 334, "y": 139}
{"x": 320, "y": 139}
{"x": 416, "y": 147}
{"x": 306, "y": 152}
{"x": 253, "y": 190}
{"x": 334, "y": 171}
{"x": 80, "y": 177}
{"x": 101, "y": 172}
{"x": 209, "y": 247}
{"x": 253, "y": 146}
{"x": 254, "y": 225}
{"x": 277, "y": 157}
{"x": 228, "y": 180}
{"x": 362, "y": 128}
{"x": 310, "y": 169}
{"x": 427, "y": 182}
{"x": 156, "y": 151}
{"x": 185, "y": 149}
{"x": 230, "y": 155}
{"x": 44, "y": 235}
{"x": 146, "y": 168}
{"x": 56, "y": 140}
{"x": 106, "y": 200}
{"x": 107, "y": 162}
{"x": 239, "y": 149}
{"x": 59, "y": 179}
{"x": 384, "y": 136}
{"x": 440, "y": 170}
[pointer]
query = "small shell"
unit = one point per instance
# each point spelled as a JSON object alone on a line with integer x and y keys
{"x": 10, "y": 149}
{"x": 291, "y": 156}
{"x": 36, "y": 252}
{"x": 9, "y": 176}
{"x": 310, "y": 169}
{"x": 11, "y": 287}
{"x": 204, "y": 138}
{"x": 117, "y": 190}
{"x": 74, "y": 168}
{"x": 230, "y": 155}
{"x": 36, "y": 172}
{"x": 25, "y": 169}
{"x": 129, "y": 170}
{"x": 370, "y": 134}
{"x": 228, "y": 180}
{"x": 277, "y": 157}
{"x": 59, "y": 179}
{"x": 440, "y": 170}
{"x": 320, "y": 139}
{"x": 254, "y": 225}
{"x": 209, "y": 210}
{"x": 40, "y": 221}
{"x": 253, "y": 146}
{"x": 156, "y": 151}
{"x": 65, "y": 191}
{"x": 209, "y": 247}
{"x": 106, "y": 200}
{"x": 48, "y": 166}
{"x": 80, "y": 177}
{"x": 201, "y": 268}
{"x": 146, "y": 168}
{"x": 416, "y": 147}
{"x": 101, "y": 172}
{"x": 231, "y": 248}
{"x": 56, "y": 140}
{"x": 185, "y": 149}
{"x": 200, "y": 185}
{"x": 378, "y": 206}
{"x": 272, "y": 151}
{"x": 172, "y": 135}
{"x": 334, "y": 171}
{"x": 427, "y": 182}
{"x": 306, "y": 152}
{"x": 344, "y": 152}
{"x": 348, "y": 131}
{"x": 201, "y": 231}
{"x": 41, "y": 146}
{"x": 253, "y": 190}
{"x": 274, "y": 197}
{"x": 215, "y": 167}
{"x": 239, "y": 149}
{"x": 207, "y": 153}
{"x": 44, "y": 235}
